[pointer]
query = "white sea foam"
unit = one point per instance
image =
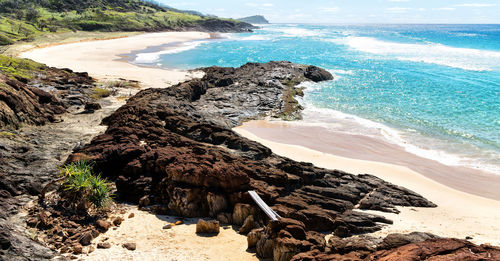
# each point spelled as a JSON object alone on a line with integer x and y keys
{"x": 337, "y": 73}
{"x": 255, "y": 38}
{"x": 295, "y": 32}
{"x": 463, "y": 58}
{"x": 154, "y": 57}
{"x": 410, "y": 140}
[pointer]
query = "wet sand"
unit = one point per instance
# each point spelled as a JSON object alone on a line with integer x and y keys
{"x": 459, "y": 214}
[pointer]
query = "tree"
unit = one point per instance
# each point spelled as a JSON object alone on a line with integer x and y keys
{"x": 32, "y": 14}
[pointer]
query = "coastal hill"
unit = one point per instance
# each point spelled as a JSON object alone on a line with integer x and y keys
{"x": 26, "y": 19}
{"x": 256, "y": 19}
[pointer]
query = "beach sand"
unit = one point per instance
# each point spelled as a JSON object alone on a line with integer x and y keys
{"x": 104, "y": 59}
{"x": 178, "y": 243}
{"x": 459, "y": 214}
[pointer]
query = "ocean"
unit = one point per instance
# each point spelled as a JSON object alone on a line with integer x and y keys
{"x": 433, "y": 89}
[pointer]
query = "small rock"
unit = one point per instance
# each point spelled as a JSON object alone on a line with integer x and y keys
{"x": 248, "y": 225}
{"x": 103, "y": 225}
{"x": 131, "y": 215}
{"x": 64, "y": 250}
{"x": 86, "y": 238}
{"x": 167, "y": 226}
{"x": 254, "y": 236}
{"x": 103, "y": 245}
{"x": 468, "y": 238}
{"x": 129, "y": 246}
{"x": 179, "y": 222}
{"x": 90, "y": 249}
{"x": 117, "y": 221}
{"x": 77, "y": 249}
{"x": 144, "y": 201}
{"x": 32, "y": 222}
{"x": 224, "y": 218}
{"x": 91, "y": 107}
{"x": 204, "y": 226}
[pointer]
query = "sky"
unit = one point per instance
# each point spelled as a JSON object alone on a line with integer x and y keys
{"x": 350, "y": 11}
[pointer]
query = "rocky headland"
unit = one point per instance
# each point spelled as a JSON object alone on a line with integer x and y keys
{"x": 172, "y": 151}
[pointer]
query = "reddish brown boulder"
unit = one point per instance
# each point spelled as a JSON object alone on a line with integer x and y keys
{"x": 438, "y": 249}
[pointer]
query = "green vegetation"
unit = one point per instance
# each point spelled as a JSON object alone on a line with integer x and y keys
{"x": 19, "y": 68}
{"x": 122, "y": 84}
{"x": 84, "y": 188}
{"x": 290, "y": 109}
{"x": 100, "y": 93}
{"x": 6, "y": 134}
{"x": 24, "y": 20}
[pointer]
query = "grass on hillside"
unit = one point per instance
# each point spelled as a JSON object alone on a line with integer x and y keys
{"x": 19, "y": 68}
{"x": 37, "y": 18}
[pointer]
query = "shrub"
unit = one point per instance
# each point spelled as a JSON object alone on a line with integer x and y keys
{"x": 100, "y": 93}
{"x": 84, "y": 188}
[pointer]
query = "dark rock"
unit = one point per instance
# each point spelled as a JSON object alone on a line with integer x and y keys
{"x": 254, "y": 236}
{"x": 265, "y": 247}
{"x": 91, "y": 107}
{"x": 248, "y": 225}
{"x": 129, "y": 246}
{"x": 242, "y": 212}
{"x": 396, "y": 240}
{"x": 86, "y": 238}
{"x": 117, "y": 221}
{"x": 225, "y": 218}
{"x": 438, "y": 249}
{"x": 103, "y": 245}
{"x": 317, "y": 74}
{"x": 131, "y": 215}
{"x": 167, "y": 226}
{"x": 204, "y": 226}
{"x": 77, "y": 249}
{"x": 103, "y": 225}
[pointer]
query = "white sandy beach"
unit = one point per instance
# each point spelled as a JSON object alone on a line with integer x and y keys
{"x": 102, "y": 59}
{"x": 458, "y": 214}
{"x": 178, "y": 243}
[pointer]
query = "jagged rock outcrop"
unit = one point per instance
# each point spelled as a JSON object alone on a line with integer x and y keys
{"x": 176, "y": 148}
{"x": 32, "y": 94}
{"x": 37, "y": 101}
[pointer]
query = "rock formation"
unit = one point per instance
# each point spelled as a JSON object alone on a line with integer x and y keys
{"x": 173, "y": 151}
{"x": 32, "y": 94}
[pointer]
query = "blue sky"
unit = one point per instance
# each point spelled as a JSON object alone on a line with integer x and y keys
{"x": 351, "y": 11}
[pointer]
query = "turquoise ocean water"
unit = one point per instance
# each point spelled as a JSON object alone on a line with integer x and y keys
{"x": 434, "y": 89}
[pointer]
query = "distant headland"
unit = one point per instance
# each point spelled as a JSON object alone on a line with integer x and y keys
{"x": 256, "y": 19}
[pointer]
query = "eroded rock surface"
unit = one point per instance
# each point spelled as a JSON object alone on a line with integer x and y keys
{"x": 36, "y": 136}
{"x": 175, "y": 148}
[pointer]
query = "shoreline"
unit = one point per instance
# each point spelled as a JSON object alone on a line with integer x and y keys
{"x": 459, "y": 214}
{"x": 103, "y": 59}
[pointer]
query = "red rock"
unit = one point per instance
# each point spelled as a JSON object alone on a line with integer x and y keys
{"x": 103, "y": 225}
{"x": 129, "y": 246}
{"x": 117, "y": 221}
